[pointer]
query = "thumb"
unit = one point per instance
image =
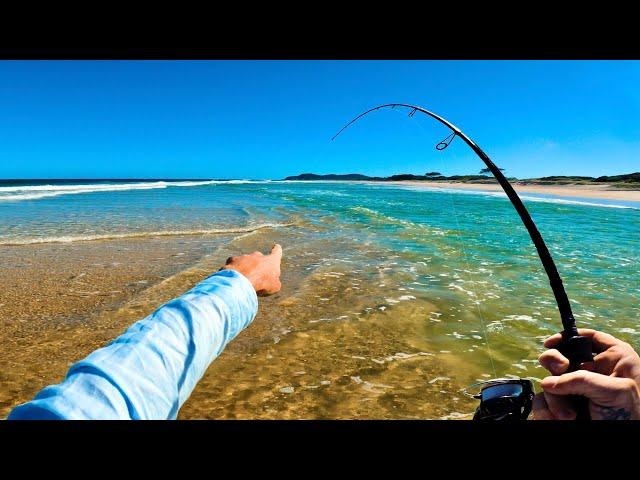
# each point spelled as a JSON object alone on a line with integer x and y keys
{"x": 599, "y": 388}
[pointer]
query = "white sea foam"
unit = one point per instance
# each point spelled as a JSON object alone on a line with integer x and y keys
{"x": 407, "y": 297}
{"x": 627, "y": 330}
{"x": 34, "y": 192}
{"x": 565, "y": 201}
{"x": 532, "y": 198}
{"x": 521, "y": 318}
{"x": 161, "y": 233}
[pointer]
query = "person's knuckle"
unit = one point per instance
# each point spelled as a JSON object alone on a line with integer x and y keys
{"x": 619, "y": 351}
{"x": 626, "y": 347}
{"x": 605, "y": 357}
{"x": 579, "y": 376}
{"x": 615, "y": 350}
{"x": 629, "y": 385}
{"x": 611, "y": 352}
{"x": 627, "y": 361}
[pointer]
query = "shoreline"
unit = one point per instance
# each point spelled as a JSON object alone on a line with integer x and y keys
{"x": 603, "y": 192}
{"x": 91, "y": 294}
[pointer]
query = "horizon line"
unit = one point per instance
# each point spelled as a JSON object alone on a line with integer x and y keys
{"x": 161, "y": 179}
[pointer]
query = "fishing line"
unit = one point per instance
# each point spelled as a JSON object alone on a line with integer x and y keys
{"x": 447, "y": 141}
{"x": 575, "y": 347}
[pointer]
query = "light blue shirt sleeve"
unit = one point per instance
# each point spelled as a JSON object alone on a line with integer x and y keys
{"x": 149, "y": 371}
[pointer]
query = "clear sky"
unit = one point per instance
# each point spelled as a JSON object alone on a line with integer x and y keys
{"x": 270, "y": 119}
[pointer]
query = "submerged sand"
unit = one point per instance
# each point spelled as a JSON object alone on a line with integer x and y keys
{"x": 321, "y": 348}
{"x": 59, "y": 302}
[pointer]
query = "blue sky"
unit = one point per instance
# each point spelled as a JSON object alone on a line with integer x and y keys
{"x": 270, "y": 119}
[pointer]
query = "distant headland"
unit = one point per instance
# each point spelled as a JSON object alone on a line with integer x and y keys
{"x": 625, "y": 181}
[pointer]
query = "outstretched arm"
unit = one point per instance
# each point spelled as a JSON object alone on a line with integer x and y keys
{"x": 149, "y": 371}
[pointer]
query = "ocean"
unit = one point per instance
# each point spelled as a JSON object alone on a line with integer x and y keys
{"x": 394, "y": 297}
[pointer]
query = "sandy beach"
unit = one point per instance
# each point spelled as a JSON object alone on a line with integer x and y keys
{"x": 604, "y": 192}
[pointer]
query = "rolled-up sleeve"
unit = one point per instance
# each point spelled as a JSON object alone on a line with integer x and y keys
{"x": 149, "y": 371}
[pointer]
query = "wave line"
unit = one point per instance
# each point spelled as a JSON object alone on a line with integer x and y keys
{"x": 164, "y": 233}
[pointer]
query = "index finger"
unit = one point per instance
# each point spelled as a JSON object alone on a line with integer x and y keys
{"x": 599, "y": 388}
{"x": 600, "y": 340}
{"x": 276, "y": 250}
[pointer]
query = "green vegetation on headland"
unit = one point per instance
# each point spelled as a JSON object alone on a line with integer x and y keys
{"x": 631, "y": 180}
{"x": 395, "y": 178}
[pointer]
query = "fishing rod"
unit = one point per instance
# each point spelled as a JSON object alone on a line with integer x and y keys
{"x": 575, "y": 347}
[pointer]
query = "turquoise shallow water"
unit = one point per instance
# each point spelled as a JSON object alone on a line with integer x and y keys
{"x": 464, "y": 255}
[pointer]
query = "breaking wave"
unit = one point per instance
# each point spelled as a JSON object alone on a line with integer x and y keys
{"x": 34, "y": 192}
{"x": 533, "y": 198}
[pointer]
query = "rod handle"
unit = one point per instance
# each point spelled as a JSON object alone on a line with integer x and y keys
{"x": 578, "y": 350}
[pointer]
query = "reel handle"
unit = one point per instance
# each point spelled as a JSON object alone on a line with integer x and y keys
{"x": 578, "y": 350}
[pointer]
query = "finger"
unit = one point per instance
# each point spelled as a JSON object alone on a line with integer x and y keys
{"x": 554, "y": 361}
{"x": 600, "y": 340}
{"x": 599, "y": 388}
{"x": 554, "y": 340}
{"x": 559, "y": 406}
{"x": 539, "y": 408}
{"x": 606, "y": 361}
{"x": 276, "y": 250}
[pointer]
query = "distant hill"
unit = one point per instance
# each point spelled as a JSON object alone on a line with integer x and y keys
{"x": 392, "y": 178}
{"x": 630, "y": 177}
{"x": 313, "y": 176}
{"x": 630, "y": 180}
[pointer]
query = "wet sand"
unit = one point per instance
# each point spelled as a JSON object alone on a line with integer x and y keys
{"x": 604, "y": 192}
{"x": 321, "y": 348}
{"x": 59, "y": 302}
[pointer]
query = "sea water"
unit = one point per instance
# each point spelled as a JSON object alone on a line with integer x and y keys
{"x": 385, "y": 274}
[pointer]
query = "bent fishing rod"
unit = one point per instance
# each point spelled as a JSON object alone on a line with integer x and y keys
{"x": 575, "y": 347}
